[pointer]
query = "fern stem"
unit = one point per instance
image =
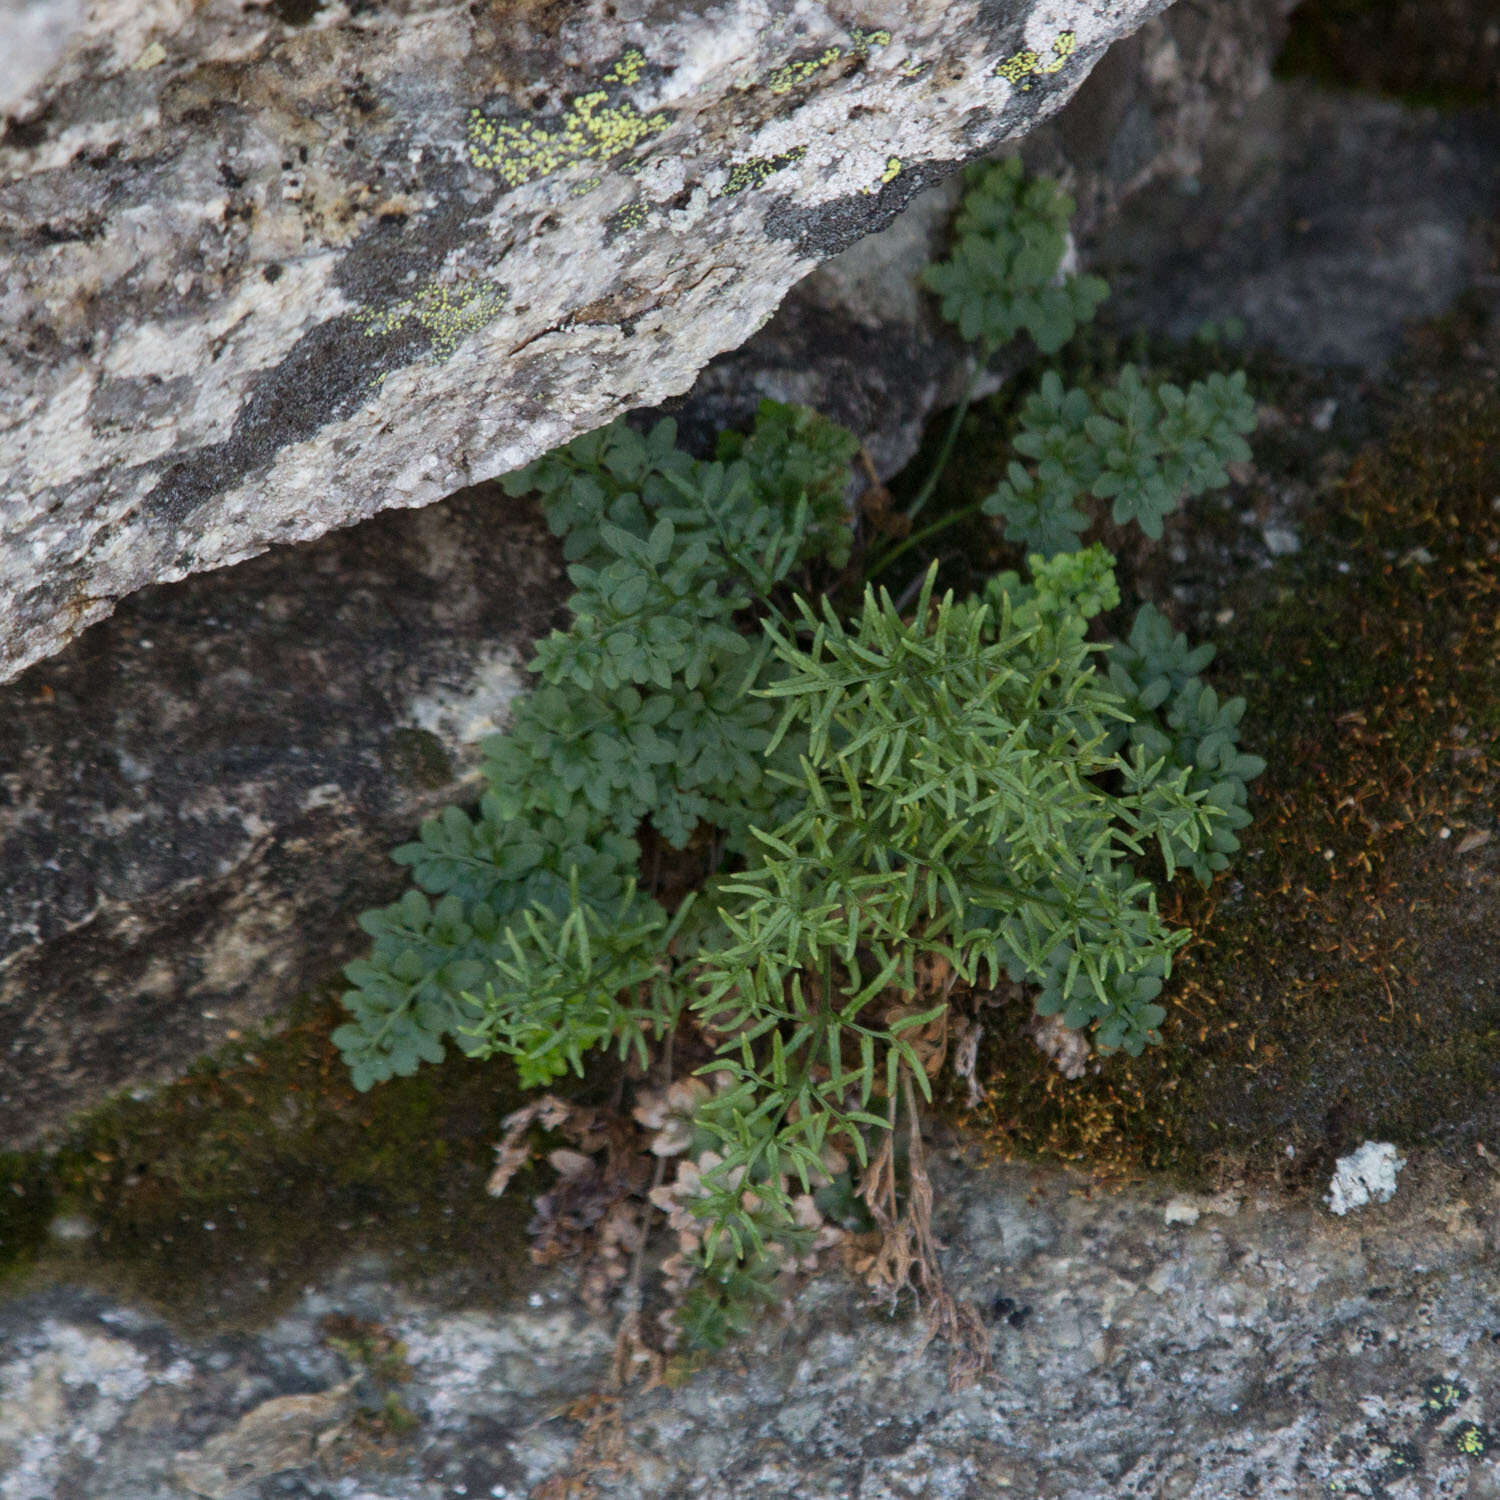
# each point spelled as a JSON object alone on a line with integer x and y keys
{"x": 920, "y": 536}
{"x": 951, "y": 436}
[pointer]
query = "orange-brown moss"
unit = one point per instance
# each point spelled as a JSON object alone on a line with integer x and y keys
{"x": 1344, "y": 980}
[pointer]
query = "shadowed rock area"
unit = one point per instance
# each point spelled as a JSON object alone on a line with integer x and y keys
{"x": 1144, "y": 1346}
{"x": 197, "y": 797}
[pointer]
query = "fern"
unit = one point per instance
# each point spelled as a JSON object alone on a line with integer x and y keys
{"x": 1143, "y": 447}
{"x": 953, "y": 801}
{"x": 1003, "y": 275}
{"x": 644, "y": 711}
{"x": 1174, "y": 717}
{"x": 983, "y": 780}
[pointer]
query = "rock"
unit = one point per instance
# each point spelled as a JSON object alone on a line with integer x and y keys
{"x": 1181, "y": 1211}
{"x": 1363, "y": 1177}
{"x": 855, "y": 340}
{"x": 271, "y": 270}
{"x": 1276, "y": 1352}
{"x": 33, "y": 34}
{"x": 1324, "y": 222}
{"x": 1188, "y": 1208}
{"x": 197, "y": 797}
{"x": 283, "y": 1433}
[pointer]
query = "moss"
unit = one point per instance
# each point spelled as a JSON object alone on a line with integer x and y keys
{"x": 1342, "y": 983}
{"x": 417, "y": 757}
{"x": 217, "y": 1197}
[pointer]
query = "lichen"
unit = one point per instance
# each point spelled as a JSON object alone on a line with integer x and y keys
{"x": 756, "y": 170}
{"x": 448, "y": 313}
{"x": 784, "y": 79}
{"x": 593, "y": 127}
{"x": 628, "y": 68}
{"x": 862, "y": 42}
{"x": 889, "y": 174}
{"x": 1021, "y": 68}
{"x": 632, "y": 216}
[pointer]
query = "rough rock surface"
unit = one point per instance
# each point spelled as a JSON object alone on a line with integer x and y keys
{"x": 1325, "y": 222}
{"x": 1252, "y": 1348}
{"x": 197, "y": 796}
{"x": 187, "y": 828}
{"x": 272, "y": 269}
{"x": 856, "y": 339}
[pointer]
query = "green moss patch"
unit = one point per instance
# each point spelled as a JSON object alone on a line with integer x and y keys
{"x": 217, "y": 1197}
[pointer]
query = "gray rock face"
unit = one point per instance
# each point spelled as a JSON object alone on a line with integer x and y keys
{"x": 196, "y": 798}
{"x": 1324, "y": 222}
{"x": 271, "y": 270}
{"x": 1261, "y": 1349}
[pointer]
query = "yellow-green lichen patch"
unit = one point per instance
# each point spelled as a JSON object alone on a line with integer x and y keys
{"x": 593, "y": 127}
{"x": 753, "y": 172}
{"x": 788, "y": 76}
{"x": 1020, "y": 68}
{"x": 628, "y": 68}
{"x": 1472, "y": 1440}
{"x": 891, "y": 172}
{"x": 449, "y": 314}
{"x": 791, "y": 75}
{"x": 632, "y": 216}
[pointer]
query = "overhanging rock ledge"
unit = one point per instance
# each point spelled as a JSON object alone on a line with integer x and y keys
{"x": 270, "y": 270}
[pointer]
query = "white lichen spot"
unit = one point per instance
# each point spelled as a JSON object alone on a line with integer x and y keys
{"x": 1364, "y": 1176}
{"x": 464, "y": 714}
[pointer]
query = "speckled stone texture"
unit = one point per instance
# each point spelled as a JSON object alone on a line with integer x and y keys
{"x": 272, "y": 269}
{"x": 1264, "y": 1350}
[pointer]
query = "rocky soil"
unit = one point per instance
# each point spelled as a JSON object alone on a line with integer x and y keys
{"x": 1147, "y": 1340}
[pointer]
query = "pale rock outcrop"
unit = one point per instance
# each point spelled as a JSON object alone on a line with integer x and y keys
{"x": 271, "y": 269}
